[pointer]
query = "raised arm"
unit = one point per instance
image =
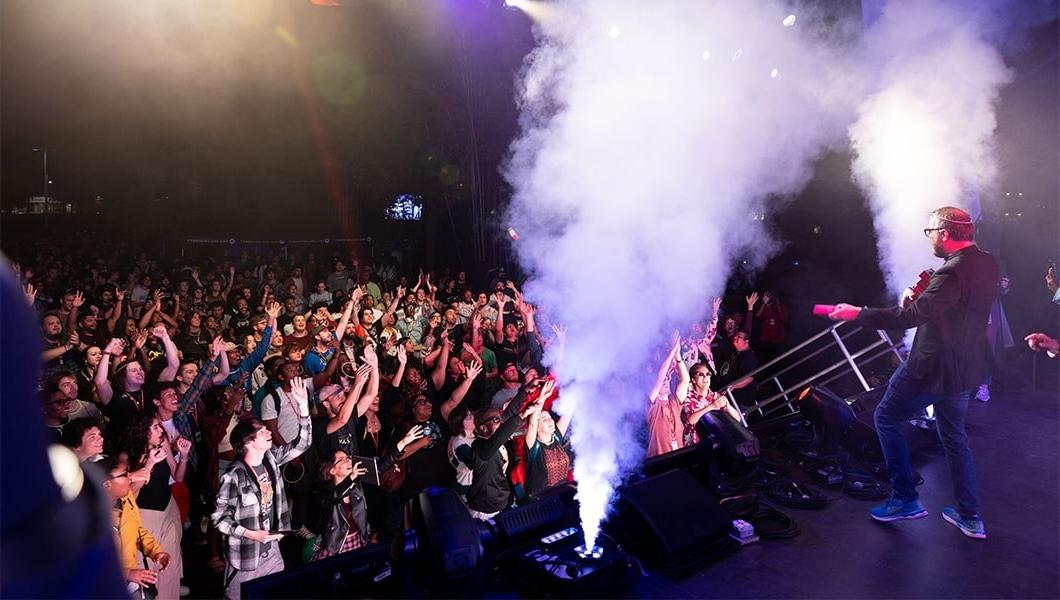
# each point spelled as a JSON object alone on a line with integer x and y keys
{"x": 498, "y": 327}
{"x": 749, "y": 318}
{"x": 440, "y": 364}
{"x": 403, "y": 359}
{"x": 172, "y": 356}
{"x": 473, "y": 371}
{"x": 114, "y": 348}
{"x": 71, "y": 319}
{"x": 390, "y": 310}
{"x": 372, "y": 391}
{"x": 116, "y": 311}
{"x": 155, "y": 304}
{"x": 293, "y": 449}
{"x": 664, "y": 369}
{"x": 352, "y": 399}
{"x": 348, "y": 310}
{"x": 225, "y": 370}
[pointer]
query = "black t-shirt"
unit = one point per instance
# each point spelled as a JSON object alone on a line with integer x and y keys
{"x": 155, "y": 494}
{"x": 123, "y": 408}
{"x": 429, "y": 465}
{"x": 344, "y": 438}
{"x": 734, "y": 369}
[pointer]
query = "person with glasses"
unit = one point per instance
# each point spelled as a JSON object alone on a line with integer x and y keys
{"x": 946, "y": 362}
{"x": 491, "y": 491}
{"x": 132, "y": 538}
{"x": 733, "y": 373}
{"x": 699, "y": 399}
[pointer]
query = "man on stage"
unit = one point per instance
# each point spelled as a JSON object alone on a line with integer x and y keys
{"x": 947, "y": 361}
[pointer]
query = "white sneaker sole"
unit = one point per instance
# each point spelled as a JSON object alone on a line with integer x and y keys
{"x": 971, "y": 534}
{"x": 912, "y": 517}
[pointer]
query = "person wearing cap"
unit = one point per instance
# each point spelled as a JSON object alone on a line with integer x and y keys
{"x": 325, "y": 342}
{"x": 947, "y": 360}
{"x": 511, "y": 381}
{"x": 490, "y": 490}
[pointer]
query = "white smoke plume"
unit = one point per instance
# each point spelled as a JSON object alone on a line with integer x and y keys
{"x": 924, "y": 137}
{"x": 653, "y": 134}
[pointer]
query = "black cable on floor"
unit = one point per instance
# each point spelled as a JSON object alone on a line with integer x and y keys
{"x": 772, "y": 524}
{"x": 796, "y": 495}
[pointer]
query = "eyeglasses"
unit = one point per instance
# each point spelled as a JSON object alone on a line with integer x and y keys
{"x": 700, "y": 374}
{"x": 927, "y": 231}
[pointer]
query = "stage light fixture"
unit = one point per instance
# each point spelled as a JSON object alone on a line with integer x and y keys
{"x": 773, "y": 74}
{"x": 788, "y": 21}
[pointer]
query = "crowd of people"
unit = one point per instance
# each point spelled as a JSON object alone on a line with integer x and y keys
{"x": 270, "y": 411}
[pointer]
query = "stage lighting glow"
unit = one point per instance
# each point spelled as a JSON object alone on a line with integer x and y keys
{"x": 706, "y": 55}
{"x": 789, "y": 21}
{"x": 773, "y": 74}
{"x": 736, "y": 55}
{"x": 615, "y": 32}
{"x": 511, "y": 2}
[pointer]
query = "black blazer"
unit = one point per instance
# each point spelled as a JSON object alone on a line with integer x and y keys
{"x": 949, "y": 350}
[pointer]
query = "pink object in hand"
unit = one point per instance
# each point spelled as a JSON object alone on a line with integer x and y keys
{"x": 823, "y": 310}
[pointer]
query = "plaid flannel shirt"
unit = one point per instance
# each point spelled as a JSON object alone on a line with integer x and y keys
{"x": 238, "y": 507}
{"x": 183, "y": 418}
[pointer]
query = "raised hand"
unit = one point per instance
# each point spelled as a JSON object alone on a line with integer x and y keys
{"x": 370, "y": 356}
{"x": 183, "y": 446}
{"x": 119, "y": 296}
{"x": 547, "y": 389}
{"x": 357, "y": 294}
{"x": 160, "y": 331}
{"x": 716, "y": 304}
{"x": 156, "y": 455}
{"x": 79, "y": 299}
{"x": 560, "y": 331}
{"x": 363, "y": 373}
{"x": 402, "y": 354}
{"x": 476, "y": 320}
{"x": 414, "y": 433}
{"x": 752, "y": 300}
{"x": 272, "y": 309}
{"x": 156, "y": 298}
{"x": 30, "y": 292}
{"x": 675, "y": 339}
{"x": 74, "y": 340}
{"x": 300, "y": 393}
{"x": 217, "y": 347}
{"x": 358, "y": 470}
{"x": 115, "y": 347}
{"x": 1050, "y": 279}
{"x": 448, "y": 344}
{"x": 474, "y": 369}
{"x": 141, "y": 339}
{"x": 502, "y": 298}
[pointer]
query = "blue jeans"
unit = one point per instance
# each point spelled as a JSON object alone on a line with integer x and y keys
{"x": 905, "y": 398}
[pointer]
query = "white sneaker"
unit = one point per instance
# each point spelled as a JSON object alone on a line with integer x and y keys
{"x": 184, "y": 591}
{"x": 983, "y": 394}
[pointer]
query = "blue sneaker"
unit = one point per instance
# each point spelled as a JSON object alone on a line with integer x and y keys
{"x": 969, "y": 526}
{"x": 897, "y": 510}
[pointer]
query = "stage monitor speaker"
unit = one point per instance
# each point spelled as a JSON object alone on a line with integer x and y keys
{"x": 670, "y": 518}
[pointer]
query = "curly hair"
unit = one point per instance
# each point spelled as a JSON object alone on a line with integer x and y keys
{"x": 133, "y": 440}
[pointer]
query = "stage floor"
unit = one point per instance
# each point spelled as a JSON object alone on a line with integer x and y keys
{"x": 842, "y": 553}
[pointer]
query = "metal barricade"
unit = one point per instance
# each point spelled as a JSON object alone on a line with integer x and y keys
{"x": 782, "y": 372}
